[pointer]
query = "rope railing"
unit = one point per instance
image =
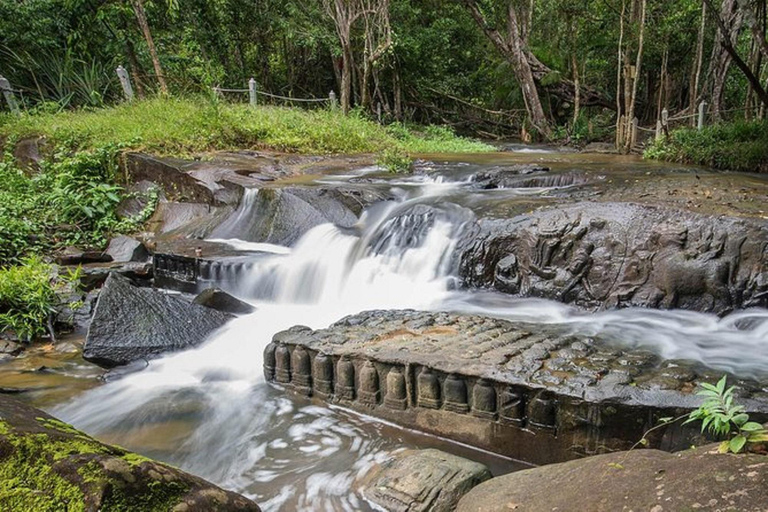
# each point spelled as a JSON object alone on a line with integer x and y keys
{"x": 254, "y": 93}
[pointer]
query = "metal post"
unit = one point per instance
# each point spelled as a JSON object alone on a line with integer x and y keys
{"x": 332, "y": 99}
{"x": 5, "y": 85}
{"x": 702, "y": 112}
{"x": 252, "y": 92}
{"x": 125, "y": 81}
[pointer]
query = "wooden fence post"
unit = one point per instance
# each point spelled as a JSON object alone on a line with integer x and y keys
{"x": 252, "y": 92}
{"x": 5, "y": 85}
{"x": 633, "y": 134}
{"x": 658, "y": 129}
{"x": 125, "y": 81}
{"x": 620, "y": 139}
{"x": 702, "y": 113}
{"x": 332, "y": 99}
{"x": 665, "y": 121}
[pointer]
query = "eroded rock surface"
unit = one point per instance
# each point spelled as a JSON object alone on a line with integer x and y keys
{"x": 131, "y": 323}
{"x": 48, "y": 466}
{"x": 527, "y": 391}
{"x": 648, "y": 480}
{"x": 603, "y": 255}
{"x": 423, "y": 481}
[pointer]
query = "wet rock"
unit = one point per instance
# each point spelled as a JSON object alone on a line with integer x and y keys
{"x": 75, "y": 256}
{"x": 131, "y": 323}
{"x": 533, "y": 392}
{"x": 137, "y": 198}
{"x": 43, "y": 462}
{"x": 528, "y": 177}
{"x": 282, "y": 216}
{"x": 124, "y": 248}
{"x": 11, "y": 348}
{"x": 603, "y": 255}
{"x": 650, "y": 480}
{"x": 600, "y": 147}
{"x": 94, "y": 275}
{"x": 222, "y": 301}
{"x": 423, "y": 481}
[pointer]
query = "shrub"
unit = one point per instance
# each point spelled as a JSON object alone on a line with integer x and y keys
{"x": 395, "y": 160}
{"x": 27, "y": 298}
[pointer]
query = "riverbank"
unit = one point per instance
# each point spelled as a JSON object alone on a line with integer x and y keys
{"x": 741, "y": 146}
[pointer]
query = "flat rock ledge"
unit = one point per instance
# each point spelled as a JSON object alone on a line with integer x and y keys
{"x": 640, "y": 480}
{"x": 48, "y": 466}
{"x": 423, "y": 481}
{"x": 521, "y": 390}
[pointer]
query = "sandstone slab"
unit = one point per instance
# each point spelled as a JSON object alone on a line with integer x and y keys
{"x": 423, "y": 481}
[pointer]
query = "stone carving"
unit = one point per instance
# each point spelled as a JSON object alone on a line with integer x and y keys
{"x": 512, "y": 410}
{"x": 396, "y": 397}
{"x": 455, "y": 393}
{"x": 322, "y": 370}
{"x": 345, "y": 379}
{"x": 542, "y": 412}
{"x": 600, "y": 255}
{"x": 301, "y": 370}
{"x": 282, "y": 364}
{"x": 369, "y": 393}
{"x": 484, "y": 400}
{"x": 269, "y": 361}
{"x": 428, "y": 388}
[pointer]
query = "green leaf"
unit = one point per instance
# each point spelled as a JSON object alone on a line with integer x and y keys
{"x": 752, "y": 426}
{"x": 723, "y": 447}
{"x": 721, "y": 385}
{"x": 740, "y": 419}
{"x": 737, "y": 443}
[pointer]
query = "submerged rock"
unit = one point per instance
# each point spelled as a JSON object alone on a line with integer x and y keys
{"x": 222, "y": 301}
{"x": 603, "y": 255}
{"x": 649, "y": 480}
{"x": 47, "y": 465}
{"x": 131, "y": 323}
{"x": 423, "y": 481}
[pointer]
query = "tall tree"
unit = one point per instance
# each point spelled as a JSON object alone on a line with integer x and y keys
{"x": 141, "y": 17}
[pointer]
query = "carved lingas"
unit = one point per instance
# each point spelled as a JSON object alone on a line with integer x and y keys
{"x": 484, "y": 400}
{"x": 455, "y": 393}
{"x": 542, "y": 412}
{"x": 396, "y": 397}
{"x": 428, "y": 388}
{"x": 512, "y": 410}
{"x": 322, "y": 370}
{"x": 345, "y": 379}
{"x": 269, "y": 361}
{"x": 302, "y": 373}
{"x": 369, "y": 393}
{"x": 282, "y": 364}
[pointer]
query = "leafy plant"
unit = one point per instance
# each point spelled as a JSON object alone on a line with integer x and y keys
{"x": 720, "y": 416}
{"x": 395, "y": 161}
{"x": 27, "y": 298}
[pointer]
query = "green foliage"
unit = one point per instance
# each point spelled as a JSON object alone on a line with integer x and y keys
{"x": 741, "y": 146}
{"x": 721, "y": 417}
{"x": 27, "y": 298}
{"x": 395, "y": 161}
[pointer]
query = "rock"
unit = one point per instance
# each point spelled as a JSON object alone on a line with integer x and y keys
{"x": 75, "y": 256}
{"x": 604, "y": 255}
{"x": 11, "y": 347}
{"x": 648, "y": 480}
{"x": 600, "y": 147}
{"x": 222, "y": 301}
{"x": 94, "y": 275}
{"x": 131, "y": 323}
{"x": 136, "y": 198}
{"x": 536, "y": 177}
{"x": 532, "y": 392}
{"x": 124, "y": 248}
{"x": 47, "y": 465}
{"x": 282, "y": 216}
{"x": 423, "y": 481}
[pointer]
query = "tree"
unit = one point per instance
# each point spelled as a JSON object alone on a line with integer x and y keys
{"x": 141, "y": 17}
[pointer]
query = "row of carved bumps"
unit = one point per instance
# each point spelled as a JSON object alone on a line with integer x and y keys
{"x": 316, "y": 376}
{"x": 177, "y": 266}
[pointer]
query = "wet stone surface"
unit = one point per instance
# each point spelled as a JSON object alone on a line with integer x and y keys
{"x": 522, "y": 390}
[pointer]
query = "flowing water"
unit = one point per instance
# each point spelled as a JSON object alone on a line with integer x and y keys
{"x": 209, "y": 411}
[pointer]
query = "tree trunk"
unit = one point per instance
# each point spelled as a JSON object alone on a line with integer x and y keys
{"x": 696, "y": 72}
{"x": 346, "y": 80}
{"x": 141, "y": 17}
{"x": 638, "y": 63}
{"x": 619, "y": 127}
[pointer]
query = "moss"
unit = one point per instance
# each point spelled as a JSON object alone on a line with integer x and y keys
{"x": 59, "y": 471}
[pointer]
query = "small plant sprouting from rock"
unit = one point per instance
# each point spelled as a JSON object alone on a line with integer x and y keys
{"x": 395, "y": 161}
{"x": 720, "y": 416}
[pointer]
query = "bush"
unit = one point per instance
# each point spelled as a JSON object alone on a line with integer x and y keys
{"x": 27, "y": 298}
{"x": 395, "y": 160}
{"x": 741, "y": 146}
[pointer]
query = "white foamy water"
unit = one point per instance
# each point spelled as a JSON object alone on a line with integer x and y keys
{"x": 209, "y": 411}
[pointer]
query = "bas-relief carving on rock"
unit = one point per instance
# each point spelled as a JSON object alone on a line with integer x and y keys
{"x": 602, "y": 255}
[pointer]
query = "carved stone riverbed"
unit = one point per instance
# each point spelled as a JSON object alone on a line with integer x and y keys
{"x": 526, "y": 391}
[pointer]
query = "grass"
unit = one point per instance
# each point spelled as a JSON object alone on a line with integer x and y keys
{"x": 181, "y": 126}
{"x": 741, "y": 146}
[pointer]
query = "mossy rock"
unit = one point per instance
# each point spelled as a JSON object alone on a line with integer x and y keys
{"x": 48, "y": 465}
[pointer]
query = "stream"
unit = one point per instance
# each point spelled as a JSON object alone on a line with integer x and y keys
{"x": 209, "y": 411}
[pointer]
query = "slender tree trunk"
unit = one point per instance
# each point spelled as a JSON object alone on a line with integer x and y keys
{"x": 141, "y": 17}
{"x": 346, "y": 80}
{"x": 135, "y": 67}
{"x": 662, "y": 83}
{"x": 577, "y": 96}
{"x": 696, "y": 72}
{"x": 638, "y": 63}
{"x": 619, "y": 126}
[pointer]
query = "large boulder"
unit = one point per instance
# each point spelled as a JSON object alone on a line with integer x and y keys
{"x": 132, "y": 323}
{"x": 49, "y": 466}
{"x": 647, "y": 480}
{"x": 124, "y": 248}
{"x": 423, "y": 481}
{"x": 604, "y": 255}
{"x": 222, "y": 301}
